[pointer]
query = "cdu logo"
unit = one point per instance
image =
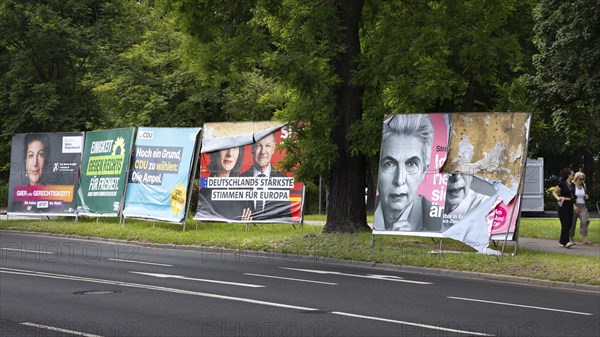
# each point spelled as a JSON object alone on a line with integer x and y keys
{"x": 146, "y": 135}
{"x": 55, "y": 168}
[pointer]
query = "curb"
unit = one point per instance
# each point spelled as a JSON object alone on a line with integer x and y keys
{"x": 334, "y": 261}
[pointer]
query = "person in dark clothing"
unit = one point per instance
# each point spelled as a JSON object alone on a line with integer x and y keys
{"x": 563, "y": 193}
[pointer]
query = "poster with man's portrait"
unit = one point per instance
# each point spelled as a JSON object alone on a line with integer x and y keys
{"x": 44, "y": 173}
{"x": 240, "y": 176}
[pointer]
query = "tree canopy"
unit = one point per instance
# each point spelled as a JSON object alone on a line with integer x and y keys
{"x": 331, "y": 68}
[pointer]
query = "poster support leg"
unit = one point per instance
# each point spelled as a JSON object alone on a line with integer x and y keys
{"x": 515, "y": 210}
{"x": 246, "y": 228}
{"x": 507, "y": 231}
{"x": 372, "y": 240}
{"x": 441, "y": 242}
{"x": 196, "y": 225}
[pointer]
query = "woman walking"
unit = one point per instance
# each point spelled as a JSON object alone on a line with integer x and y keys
{"x": 580, "y": 211}
{"x": 564, "y": 195}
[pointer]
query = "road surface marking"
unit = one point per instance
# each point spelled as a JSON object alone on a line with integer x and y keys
{"x": 520, "y": 305}
{"x": 215, "y": 296}
{"x": 150, "y": 287}
{"x": 180, "y": 277}
{"x": 26, "y": 250}
{"x": 51, "y": 328}
{"x": 291, "y": 279}
{"x": 426, "y": 326}
{"x": 369, "y": 276}
{"x": 141, "y": 262}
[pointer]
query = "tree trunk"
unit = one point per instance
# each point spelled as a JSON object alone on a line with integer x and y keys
{"x": 371, "y": 186}
{"x": 470, "y": 95}
{"x": 346, "y": 210}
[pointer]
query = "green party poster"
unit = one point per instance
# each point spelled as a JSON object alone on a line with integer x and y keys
{"x": 104, "y": 171}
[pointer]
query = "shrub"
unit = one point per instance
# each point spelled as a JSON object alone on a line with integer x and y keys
{"x": 3, "y": 194}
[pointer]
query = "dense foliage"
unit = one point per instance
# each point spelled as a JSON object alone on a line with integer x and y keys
{"x": 338, "y": 66}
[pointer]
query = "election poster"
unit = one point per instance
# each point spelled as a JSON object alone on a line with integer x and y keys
{"x": 451, "y": 176}
{"x": 504, "y": 219}
{"x": 160, "y": 173}
{"x": 240, "y": 178}
{"x": 44, "y": 173}
{"x": 493, "y": 147}
{"x": 411, "y": 188}
{"x": 104, "y": 169}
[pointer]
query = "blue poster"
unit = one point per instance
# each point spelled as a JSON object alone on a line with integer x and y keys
{"x": 160, "y": 174}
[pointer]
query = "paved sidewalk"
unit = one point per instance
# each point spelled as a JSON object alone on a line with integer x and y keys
{"x": 552, "y": 246}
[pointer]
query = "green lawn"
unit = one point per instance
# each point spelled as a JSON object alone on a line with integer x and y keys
{"x": 309, "y": 240}
{"x": 549, "y": 228}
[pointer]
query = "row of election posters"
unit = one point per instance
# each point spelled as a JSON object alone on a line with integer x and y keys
{"x": 444, "y": 175}
{"x": 150, "y": 174}
{"x": 453, "y": 176}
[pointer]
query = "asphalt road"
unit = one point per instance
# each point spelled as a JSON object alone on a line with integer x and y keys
{"x": 53, "y": 286}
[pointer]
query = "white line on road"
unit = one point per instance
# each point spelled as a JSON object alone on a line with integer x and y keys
{"x": 520, "y": 305}
{"x": 426, "y": 326}
{"x": 369, "y": 276}
{"x": 26, "y": 250}
{"x": 222, "y": 297}
{"x": 291, "y": 279}
{"x": 142, "y": 262}
{"x": 150, "y": 287}
{"x": 51, "y": 328}
{"x": 179, "y": 277}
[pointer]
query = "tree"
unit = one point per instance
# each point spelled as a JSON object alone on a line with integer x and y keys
{"x": 567, "y": 78}
{"x": 148, "y": 83}
{"x": 309, "y": 50}
{"x": 339, "y": 66}
{"x": 47, "y": 49}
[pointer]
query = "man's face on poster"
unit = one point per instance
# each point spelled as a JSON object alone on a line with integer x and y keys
{"x": 263, "y": 152}
{"x": 400, "y": 173}
{"x": 456, "y": 190}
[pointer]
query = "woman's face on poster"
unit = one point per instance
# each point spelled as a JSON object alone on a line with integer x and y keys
{"x": 35, "y": 160}
{"x": 228, "y": 158}
{"x": 400, "y": 172}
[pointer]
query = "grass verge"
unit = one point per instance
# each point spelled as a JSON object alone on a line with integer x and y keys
{"x": 398, "y": 250}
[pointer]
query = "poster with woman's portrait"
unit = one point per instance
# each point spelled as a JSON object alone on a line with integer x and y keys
{"x": 240, "y": 178}
{"x": 411, "y": 188}
{"x": 44, "y": 173}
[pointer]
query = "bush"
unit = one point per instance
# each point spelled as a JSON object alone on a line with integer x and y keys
{"x": 550, "y": 203}
{"x": 3, "y": 194}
